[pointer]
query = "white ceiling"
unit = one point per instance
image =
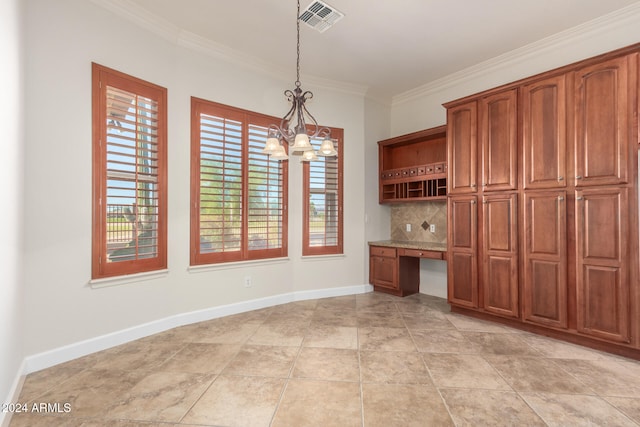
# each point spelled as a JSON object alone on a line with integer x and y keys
{"x": 386, "y": 47}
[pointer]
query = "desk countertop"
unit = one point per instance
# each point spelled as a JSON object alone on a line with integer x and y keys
{"x": 424, "y": 246}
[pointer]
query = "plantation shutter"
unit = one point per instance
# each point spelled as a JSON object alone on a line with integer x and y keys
{"x": 132, "y": 176}
{"x": 129, "y": 120}
{"x": 265, "y": 195}
{"x": 220, "y": 185}
{"x": 239, "y": 194}
{"x": 324, "y": 203}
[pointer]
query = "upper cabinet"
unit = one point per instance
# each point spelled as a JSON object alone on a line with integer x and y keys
{"x": 413, "y": 167}
{"x": 498, "y": 126}
{"x": 462, "y": 135}
{"x": 603, "y": 106}
{"x": 544, "y": 133}
{"x": 485, "y": 127}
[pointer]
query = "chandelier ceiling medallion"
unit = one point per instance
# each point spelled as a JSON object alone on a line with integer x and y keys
{"x": 306, "y": 128}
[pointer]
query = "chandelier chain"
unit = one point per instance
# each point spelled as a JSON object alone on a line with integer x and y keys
{"x": 298, "y": 46}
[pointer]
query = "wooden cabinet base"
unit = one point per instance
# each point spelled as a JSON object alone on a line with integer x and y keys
{"x": 406, "y": 280}
{"x": 567, "y": 336}
{"x": 397, "y": 292}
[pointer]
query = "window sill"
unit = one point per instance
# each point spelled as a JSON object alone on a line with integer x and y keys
{"x": 326, "y": 257}
{"x": 235, "y": 264}
{"x": 129, "y": 278}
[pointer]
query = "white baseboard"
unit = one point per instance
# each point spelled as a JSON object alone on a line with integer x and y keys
{"x": 69, "y": 352}
{"x": 14, "y": 394}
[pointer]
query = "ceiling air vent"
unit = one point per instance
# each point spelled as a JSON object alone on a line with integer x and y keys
{"x": 320, "y": 16}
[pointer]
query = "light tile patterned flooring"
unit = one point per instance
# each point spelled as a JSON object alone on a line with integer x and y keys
{"x": 362, "y": 360}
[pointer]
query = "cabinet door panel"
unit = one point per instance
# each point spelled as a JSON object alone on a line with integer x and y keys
{"x": 602, "y": 122}
{"x": 462, "y": 261}
{"x": 544, "y": 134}
{"x": 462, "y": 148}
{"x": 545, "y": 258}
{"x": 463, "y": 279}
{"x": 500, "y": 254}
{"x": 499, "y": 133}
{"x": 602, "y": 267}
{"x": 383, "y": 272}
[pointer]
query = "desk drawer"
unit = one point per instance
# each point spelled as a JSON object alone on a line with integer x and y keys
{"x": 383, "y": 251}
{"x": 418, "y": 253}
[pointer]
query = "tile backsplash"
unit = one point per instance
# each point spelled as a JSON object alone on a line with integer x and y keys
{"x": 420, "y": 215}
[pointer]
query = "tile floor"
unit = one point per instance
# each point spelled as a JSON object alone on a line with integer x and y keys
{"x": 362, "y": 360}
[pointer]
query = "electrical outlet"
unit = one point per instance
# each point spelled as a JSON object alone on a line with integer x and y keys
{"x": 247, "y": 282}
{"x": 408, "y": 227}
{"x": 432, "y": 228}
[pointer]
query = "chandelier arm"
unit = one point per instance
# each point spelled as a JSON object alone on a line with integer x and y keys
{"x": 324, "y": 132}
{"x": 315, "y": 123}
{"x": 286, "y": 119}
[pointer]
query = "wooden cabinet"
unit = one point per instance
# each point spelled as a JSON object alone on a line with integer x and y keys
{"x": 383, "y": 267}
{"x": 500, "y": 253}
{"x": 498, "y": 120}
{"x": 603, "y": 119}
{"x": 544, "y": 133}
{"x": 462, "y": 255}
{"x": 462, "y": 143}
{"x": 397, "y": 271}
{"x": 492, "y": 285}
{"x": 413, "y": 167}
{"x": 545, "y": 258}
{"x": 602, "y": 267}
{"x": 557, "y": 247}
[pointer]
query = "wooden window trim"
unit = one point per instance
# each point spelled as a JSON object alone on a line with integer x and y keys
{"x": 247, "y": 118}
{"x": 307, "y": 249}
{"x": 101, "y": 78}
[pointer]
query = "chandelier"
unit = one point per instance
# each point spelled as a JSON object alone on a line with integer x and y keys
{"x": 306, "y": 128}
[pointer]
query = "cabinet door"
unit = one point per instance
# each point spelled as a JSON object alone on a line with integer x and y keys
{"x": 498, "y": 141}
{"x": 602, "y": 266}
{"x": 602, "y": 122}
{"x": 383, "y": 272}
{"x": 462, "y": 257}
{"x": 500, "y": 254}
{"x": 462, "y": 148}
{"x": 544, "y": 133}
{"x": 545, "y": 258}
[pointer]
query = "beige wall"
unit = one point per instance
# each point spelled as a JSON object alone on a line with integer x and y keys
{"x": 63, "y": 38}
{"x": 11, "y": 285}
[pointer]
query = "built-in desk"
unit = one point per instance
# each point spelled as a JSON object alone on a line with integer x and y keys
{"x": 394, "y": 266}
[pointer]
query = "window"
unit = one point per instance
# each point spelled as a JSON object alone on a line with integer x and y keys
{"x": 129, "y": 174}
{"x": 239, "y": 195}
{"x": 322, "y": 210}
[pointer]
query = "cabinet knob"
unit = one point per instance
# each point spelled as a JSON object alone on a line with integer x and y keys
{"x": 560, "y": 178}
{"x": 473, "y": 202}
{"x": 578, "y": 176}
{"x": 473, "y": 186}
{"x": 579, "y": 198}
{"x": 560, "y": 198}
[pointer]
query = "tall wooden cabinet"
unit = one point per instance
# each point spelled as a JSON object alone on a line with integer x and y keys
{"x": 552, "y": 243}
{"x": 483, "y": 275}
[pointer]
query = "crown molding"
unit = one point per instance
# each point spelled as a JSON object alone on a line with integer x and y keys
{"x": 143, "y": 18}
{"x": 595, "y": 27}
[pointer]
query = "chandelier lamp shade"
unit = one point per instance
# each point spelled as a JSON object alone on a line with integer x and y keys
{"x": 298, "y": 127}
